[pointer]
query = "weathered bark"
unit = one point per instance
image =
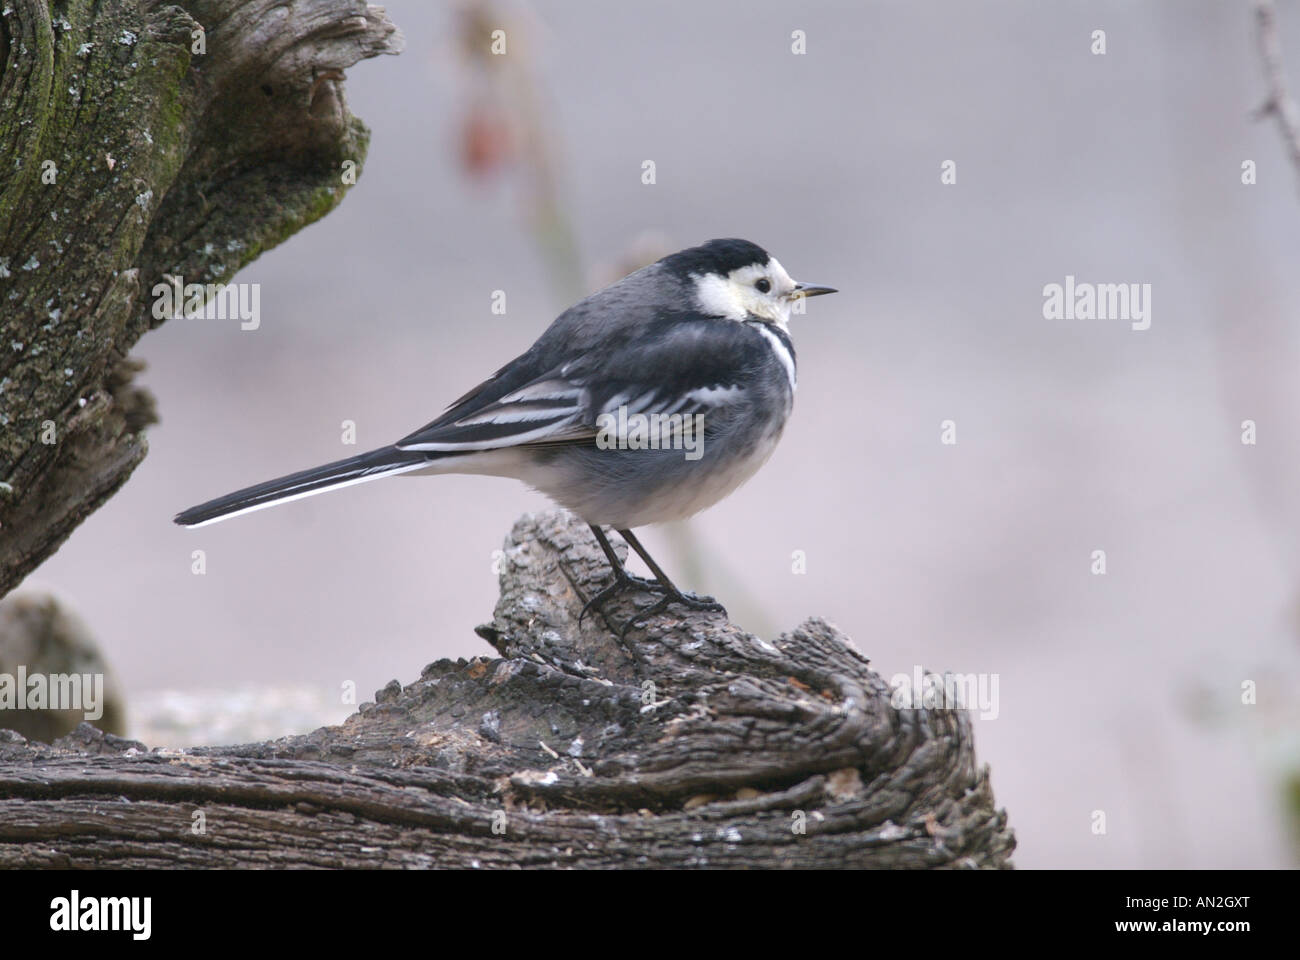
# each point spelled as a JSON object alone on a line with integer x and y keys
{"x": 126, "y": 157}
{"x": 692, "y": 744}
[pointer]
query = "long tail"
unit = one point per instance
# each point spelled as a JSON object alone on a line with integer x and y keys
{"x": 342, "y": 473}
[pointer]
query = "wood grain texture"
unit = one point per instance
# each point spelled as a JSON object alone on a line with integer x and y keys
{"x": 690, "y": 744}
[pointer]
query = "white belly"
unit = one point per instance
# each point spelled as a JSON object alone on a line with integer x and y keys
{"x": 686, "y": 499}
{"x": 682, "y": 492}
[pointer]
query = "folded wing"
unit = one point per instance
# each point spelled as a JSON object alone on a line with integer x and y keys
{"x": 697, "y": 366}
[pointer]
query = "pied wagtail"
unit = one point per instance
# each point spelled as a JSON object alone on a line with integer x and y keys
{"x": 702, "y": 334}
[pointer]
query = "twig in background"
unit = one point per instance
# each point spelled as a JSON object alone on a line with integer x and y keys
{"x": 1279, "y": 103}
{"x": 503, "y": 127}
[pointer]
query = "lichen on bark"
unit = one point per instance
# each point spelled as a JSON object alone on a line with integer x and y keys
{"x": 141, "y": 141}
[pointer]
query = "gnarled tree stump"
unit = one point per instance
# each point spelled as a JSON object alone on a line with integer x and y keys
{"x": 142, "y": 141}
{"x": 690, "y": 744}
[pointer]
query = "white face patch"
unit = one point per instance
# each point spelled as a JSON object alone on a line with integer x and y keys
{"x": 739, "y": 296}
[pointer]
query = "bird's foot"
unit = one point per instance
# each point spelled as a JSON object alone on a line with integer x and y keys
{"x": 668, "y": 595}
{"x": 689, "y": 600}
{"x": 622, "y": 581}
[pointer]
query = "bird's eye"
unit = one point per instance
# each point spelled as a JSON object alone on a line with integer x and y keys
{"x": 763, "y": 284}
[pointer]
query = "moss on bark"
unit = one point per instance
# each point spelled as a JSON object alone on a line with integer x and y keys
{"x": 141, "y": 141}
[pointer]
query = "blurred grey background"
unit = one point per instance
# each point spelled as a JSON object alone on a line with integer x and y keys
{"x": 1118, "y": 693}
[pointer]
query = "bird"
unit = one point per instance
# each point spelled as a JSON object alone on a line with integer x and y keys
{"x": 646, "y": 402}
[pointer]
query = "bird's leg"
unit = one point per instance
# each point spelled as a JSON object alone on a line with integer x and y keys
{"x": 661, "y": 584}
{"x": 622, "y": 579}
{"x": 665, "y": 586}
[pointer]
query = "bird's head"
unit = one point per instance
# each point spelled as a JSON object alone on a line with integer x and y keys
{"x": 739, "y": 280}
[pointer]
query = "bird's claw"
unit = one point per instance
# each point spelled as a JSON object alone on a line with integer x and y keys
{"x": 622, "y": 581}
{"x": 668, "y": 596}
{"x": 688, "y": 600}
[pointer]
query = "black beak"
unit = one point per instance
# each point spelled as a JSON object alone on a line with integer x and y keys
{"x": 811, "y": 290}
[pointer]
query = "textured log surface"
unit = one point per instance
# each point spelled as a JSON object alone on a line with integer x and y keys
{"x": 691, "y": 744}
{"x": 141, "y": 141}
